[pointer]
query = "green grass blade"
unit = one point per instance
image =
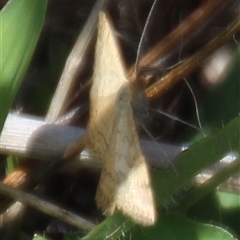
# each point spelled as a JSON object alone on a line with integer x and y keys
{"x": 20, "y": 26}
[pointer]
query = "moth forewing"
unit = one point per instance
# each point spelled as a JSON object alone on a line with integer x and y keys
{"x": 112, "y": 135}
{"x": 125, "y": 182}
{"x": 108, "y": 77}
{"x": 108, "y": 66}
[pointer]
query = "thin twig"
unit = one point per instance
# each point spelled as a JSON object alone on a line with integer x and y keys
{"x": 192, "y": 63}
{"x": 12, "y": 213}
{"x": 46, "y": 207}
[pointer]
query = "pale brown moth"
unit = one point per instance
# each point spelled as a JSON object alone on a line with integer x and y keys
{"x": 112, "y": 137}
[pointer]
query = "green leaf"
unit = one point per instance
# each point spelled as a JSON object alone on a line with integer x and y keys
{"x": 74, "y": 235}
{"x": 20, "y": 26}
{"x": 37, "y": 237}
{"x": 229, "y": 200}
{"x": 113, "y": 227}
{"x": 12, "y": 162}
{"x": 222, "y": 209}
{"x": 175, "y": 227}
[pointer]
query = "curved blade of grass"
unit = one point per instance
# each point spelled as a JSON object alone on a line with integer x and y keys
{"x": 199, "y": 156}
{"x": 20, "y": 26}
{"x": 198, "y": 193}
{"x": 168, "y": 181}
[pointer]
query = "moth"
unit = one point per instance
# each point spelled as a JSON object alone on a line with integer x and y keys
{"x": 112, "y": 136}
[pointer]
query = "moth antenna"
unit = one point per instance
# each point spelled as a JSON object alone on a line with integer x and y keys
{"x": 150, "y": 136}
{"x": 196, "y": 106}
{"x": 142, "y": 36}
{"x": 180, "y": 120}
{"x": 154, "y": 140}
{"x": 191, "y": 91}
